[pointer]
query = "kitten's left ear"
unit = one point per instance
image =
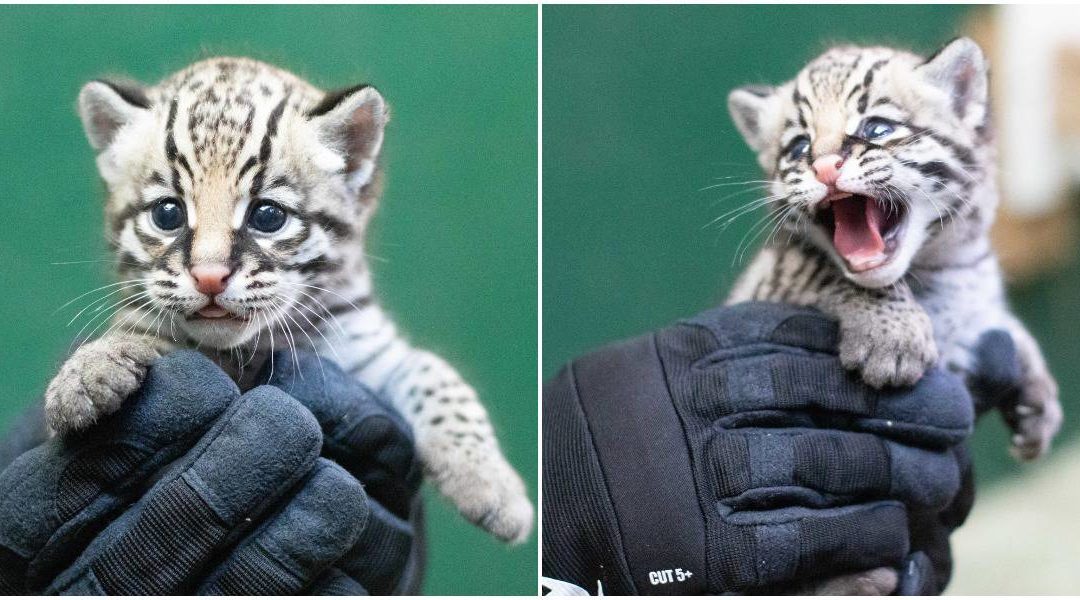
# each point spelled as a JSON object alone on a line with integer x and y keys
{"x": 960, "y": 70}
{"x": 748, "y": 106}
{"x": 352, "y": 121}
{"x": 106, "y": 106}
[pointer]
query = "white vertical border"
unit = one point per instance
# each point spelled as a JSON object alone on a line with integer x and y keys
{"x": 539, "y": 292}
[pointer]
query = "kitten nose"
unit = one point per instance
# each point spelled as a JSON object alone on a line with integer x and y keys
{"x": 827, "y": 168}
{"x": 210, "y": 279}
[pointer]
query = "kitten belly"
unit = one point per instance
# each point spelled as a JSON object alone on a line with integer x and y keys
{"x": 963, "y": 304}
{"x": 959, "y": 322}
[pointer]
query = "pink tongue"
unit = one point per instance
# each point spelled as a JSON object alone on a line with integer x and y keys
{"x": 858, "y": 229}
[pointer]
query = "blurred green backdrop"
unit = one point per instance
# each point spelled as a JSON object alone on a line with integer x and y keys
{"x": 635, "y": 124}
{"x": 456, "y": 233}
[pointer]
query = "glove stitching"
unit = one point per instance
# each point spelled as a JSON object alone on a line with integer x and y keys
{"x": 620, "y": 551}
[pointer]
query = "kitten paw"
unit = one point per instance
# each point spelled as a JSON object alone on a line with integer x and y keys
{"x": 888, "y": 354}
{"x": 94, "y": 382}
{"x": 1035, "y": 419}
{"x": 875, "y": 582}
{"x": 483, "y": 487}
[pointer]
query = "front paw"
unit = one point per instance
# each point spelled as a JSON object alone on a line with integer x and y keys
{"x": 875, "y": 582}
{"x": 482, "y": 485}
{"x": 888, "y": 352}
{"x": 1035, "y": 418}
{"x": 94, "y": 382}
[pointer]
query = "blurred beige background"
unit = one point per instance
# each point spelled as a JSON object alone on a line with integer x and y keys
{"x": 1023, "y": 537}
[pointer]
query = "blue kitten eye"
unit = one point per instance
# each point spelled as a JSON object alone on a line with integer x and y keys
{"x": 876, "y": 127}
{"x": 167, "y": 214}
{"x": 267, "y": 217}
{"x": 798, "y": 147}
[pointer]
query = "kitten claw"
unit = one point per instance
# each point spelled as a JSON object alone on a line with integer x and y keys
{"x": 1035, "y": 419}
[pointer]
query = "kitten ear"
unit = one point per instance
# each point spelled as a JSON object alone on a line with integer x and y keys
{"x": 352, "y": 122}
{"x": 106, "y": 106}
{"x": 960, "y": 70}
{"x": 747, "y": 106}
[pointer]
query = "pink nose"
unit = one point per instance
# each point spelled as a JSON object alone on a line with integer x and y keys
{"x": 827, "y": 168}
{"x": 210, "y": 279}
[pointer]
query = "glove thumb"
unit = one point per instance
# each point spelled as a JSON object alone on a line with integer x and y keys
{"x": 917, "y": 577}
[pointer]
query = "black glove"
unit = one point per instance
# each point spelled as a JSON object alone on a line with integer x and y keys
{"x": 733, "y": 453}
{"x": 367, "y": 437}
{"x": 229, "y": 493}
{"x": 995, "y": 382}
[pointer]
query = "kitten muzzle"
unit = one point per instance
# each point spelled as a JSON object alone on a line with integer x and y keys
{"x": 864, "y": 231}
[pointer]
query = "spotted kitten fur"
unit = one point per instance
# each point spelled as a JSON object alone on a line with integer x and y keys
{"x": 882, "y": 164}
{"x": 238, "y": 200}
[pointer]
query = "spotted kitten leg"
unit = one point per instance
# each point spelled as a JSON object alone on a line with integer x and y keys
{"x": 458, "y": 448}
{"x": 97, "y": 378}
{"x": 1036, "y": 416}
{"x": 455, "y": 440}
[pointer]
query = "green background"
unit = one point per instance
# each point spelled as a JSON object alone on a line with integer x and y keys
{"x": 635, "y": 124}
{"x": 456, "y": 233}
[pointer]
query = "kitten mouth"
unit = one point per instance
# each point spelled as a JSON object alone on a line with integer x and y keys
{"x": 216, "y": 312}
{"x": 864, "y": 231}
{"x": 213, "y": 311}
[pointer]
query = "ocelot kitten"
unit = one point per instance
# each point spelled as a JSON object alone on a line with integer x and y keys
{"x": 238, "y": 199}
{"x": 881, "y": 165}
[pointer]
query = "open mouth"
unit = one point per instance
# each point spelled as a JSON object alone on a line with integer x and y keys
{"x": 864, "y": 231}
{"x": 215, "y": 312}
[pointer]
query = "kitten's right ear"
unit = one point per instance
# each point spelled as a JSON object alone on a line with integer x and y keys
{"x": 106, "y": 106}
{"x": 352, "y": 121}
{"x": 747, "y": 106}
{"x": 960, "y": 70}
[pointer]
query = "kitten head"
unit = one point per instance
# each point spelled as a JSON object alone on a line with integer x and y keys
{"x": 874, "y": 153}
{"x": 236, "y": 192}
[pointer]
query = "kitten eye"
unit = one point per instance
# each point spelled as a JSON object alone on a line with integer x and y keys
{"x": 267, "y": 217}
{"x": 876, "y": 127}
{"x": 798, "y": 147}
{"x": 167, "y": 214}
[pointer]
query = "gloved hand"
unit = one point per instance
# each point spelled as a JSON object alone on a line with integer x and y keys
{"x": 994, "y": 382}
{"x": 733, "y": 453}
{"x": 367, "y": 437}
{"x": 191, "y": 487}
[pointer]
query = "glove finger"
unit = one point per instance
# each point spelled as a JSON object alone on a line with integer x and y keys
{"x": 917, "y": 577}
{"x": 55, "y": 498}
{"x": 335, "y": 583}
{"x": 997, "y": 375}
{"x": 759, "y": 469}
{"x": 931, "y": 529}
{"x": 23, "y": 434}
{"x": 314, "y": 528}
{"x": 361, "y": 431}
{"x": 797, "y": 543}
{"x": 379, "y": 557}
{"x": 204, "y": 504}
{"x": 790, "y": 389}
